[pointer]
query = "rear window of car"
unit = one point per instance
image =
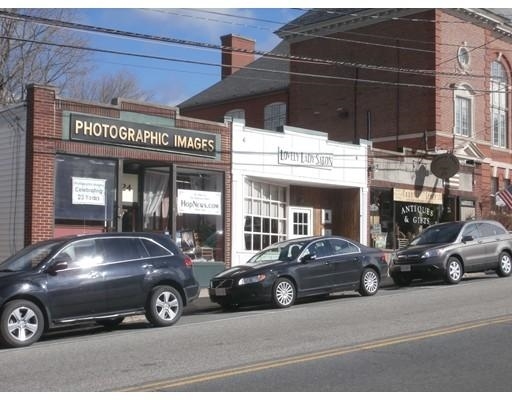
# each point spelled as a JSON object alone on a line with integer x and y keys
{"x": 120, "y": 249}
{"x": 154, "y": 249}
{"x": 487, "y": 229}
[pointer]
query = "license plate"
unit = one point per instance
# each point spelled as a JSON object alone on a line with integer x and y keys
{"x": 219, "y": 291}
{"x": 405, "y": 268}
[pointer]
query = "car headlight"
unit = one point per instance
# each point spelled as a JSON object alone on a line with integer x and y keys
{"x": 251, "y": 279}
{"x": 432, "y": 253}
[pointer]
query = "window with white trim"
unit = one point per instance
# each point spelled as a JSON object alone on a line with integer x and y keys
{"x": 265, "y": 214}
{"x": 499, "y": 104}
{"x": 463, "y": 105}
{"x": 237, "y": 113}
{"x": 275, "y": 116}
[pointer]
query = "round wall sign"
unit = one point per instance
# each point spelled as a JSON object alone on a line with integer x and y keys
{"x": 444, "y": 166}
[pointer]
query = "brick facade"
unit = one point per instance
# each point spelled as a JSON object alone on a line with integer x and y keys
{"x": 366, "y": 85}
{"x": 45, "y": 140}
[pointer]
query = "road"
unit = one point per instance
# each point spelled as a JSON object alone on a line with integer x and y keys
{"x": 427, "y": 337}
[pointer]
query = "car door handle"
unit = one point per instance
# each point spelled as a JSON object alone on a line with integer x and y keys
{"x": 146, "y": 266}
{"x": 94, "y": 275}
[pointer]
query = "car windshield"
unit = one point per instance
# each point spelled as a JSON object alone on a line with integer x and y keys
{"x": 438, "y": 234}
{"x": 284, "y": 251}
{"x": 29, "y": 258}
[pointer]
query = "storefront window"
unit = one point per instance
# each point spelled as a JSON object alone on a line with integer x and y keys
{"x": 393, "y": 223}
{"x": 85, "y": 191}
{"x": 199, "y": 222}
{"x": 265, "y": 221}
{"x": 156, "y": 200}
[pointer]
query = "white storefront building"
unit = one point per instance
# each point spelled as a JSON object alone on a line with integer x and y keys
{"x": 295, "y": 183}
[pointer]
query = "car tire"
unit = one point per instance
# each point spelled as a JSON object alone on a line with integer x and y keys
{"x": 401, "y": 279}
{"x": 164, "y": 307}
{"x": 21, "y": 323}
{"x": 110, "y": 322}
{"x": 454, "y": 271}
{"x": 504, "y": 265}
{"x": 283, "y": 293}
{"x": 369, "y": 284}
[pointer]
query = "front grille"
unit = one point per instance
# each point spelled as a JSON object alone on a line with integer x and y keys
{"x": 222, "y": 283}
{"x": 406, "y": 259}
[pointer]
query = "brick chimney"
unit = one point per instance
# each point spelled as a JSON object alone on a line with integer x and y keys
{"x": 233, "y": 60}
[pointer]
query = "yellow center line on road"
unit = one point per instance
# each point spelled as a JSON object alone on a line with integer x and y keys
{"x": 189, "y": 380}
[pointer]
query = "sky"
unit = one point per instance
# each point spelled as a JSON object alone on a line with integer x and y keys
{"x": 191, "y": 69}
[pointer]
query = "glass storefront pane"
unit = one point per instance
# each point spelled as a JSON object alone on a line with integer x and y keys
{"x": 265, "y": 211}
{"x": 85, "y": 189}
{"x": 256, "y": 242}
{"x": 265, "y": 191}
{"x": 273, "y": 210}
{"x": 273, "y": 226}
{"x": 256, "y": 204}
{"x": 274, "y": 193}
{"x": 265, "y": 241}
{"x": 205, "y": 228}
{"x": 257, "y": 190}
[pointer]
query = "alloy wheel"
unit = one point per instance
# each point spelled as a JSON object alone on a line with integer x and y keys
{"x": 506, "y": 265}
{"x": 371, "y": 281}
{"x": 454, "y": 271}
{"x": 22, "y": 324}
{"x": 167, "y": 306}
{"x": 284, "y": 293}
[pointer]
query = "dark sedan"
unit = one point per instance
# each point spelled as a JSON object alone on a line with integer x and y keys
{"x": 101, "y": 278}
{"x": 297, "y": 268}
{"x": 449, "y": 250}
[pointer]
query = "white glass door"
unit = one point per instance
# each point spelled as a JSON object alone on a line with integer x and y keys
{"x": 300, "y": 222}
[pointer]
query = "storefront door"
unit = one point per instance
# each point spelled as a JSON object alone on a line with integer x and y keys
{"x": 300, "y": 222}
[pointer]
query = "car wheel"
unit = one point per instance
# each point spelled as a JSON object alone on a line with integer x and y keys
{"x": 110, "y": 322}
{"x": 401, "y": 279}
{"x": 21, "y": 323}
{"x": 505, "y": 265}
{"x": 283, "y": 293}
{"x": 454, "y": 271}
{"x": 164, "y": 306}
{"x": 369, "y": 284}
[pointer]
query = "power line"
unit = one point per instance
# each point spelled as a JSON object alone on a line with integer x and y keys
{"x": 217, "y": 47}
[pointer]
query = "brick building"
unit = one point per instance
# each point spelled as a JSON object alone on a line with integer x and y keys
{"x": 72, "y": 167}
{"x": 422, "y": 86}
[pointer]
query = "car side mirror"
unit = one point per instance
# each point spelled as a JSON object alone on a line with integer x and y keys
{"x": 467, "y": 238}
{"x": 308, "y": 257}
{"x": 57, "y": 265}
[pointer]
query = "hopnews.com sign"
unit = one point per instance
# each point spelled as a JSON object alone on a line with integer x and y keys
{"x": 199, "y": 202}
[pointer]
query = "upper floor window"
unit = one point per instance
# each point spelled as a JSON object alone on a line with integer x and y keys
{"x": 237, "y": 113}
{"x": 499, "y": 104}
{"x": 463, "y": 111}
{"x": 275, "y": 116}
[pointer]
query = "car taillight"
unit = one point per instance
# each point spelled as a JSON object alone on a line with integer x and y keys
{"x": 188, "y": 262}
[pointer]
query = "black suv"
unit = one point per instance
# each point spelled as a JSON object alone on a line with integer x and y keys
{"x": 103, "y": 278}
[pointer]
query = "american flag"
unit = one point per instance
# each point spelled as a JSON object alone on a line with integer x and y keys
{"x": 506, "y": 196}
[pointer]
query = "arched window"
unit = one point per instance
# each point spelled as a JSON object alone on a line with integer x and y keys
{"x": 237, "y": 113}
{"x": 463, "y": 106}
{"x": 275, "y": 116}
{"x": 499, "y": 104}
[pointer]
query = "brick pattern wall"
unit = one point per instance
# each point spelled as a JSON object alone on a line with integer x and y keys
{"x": 44, "y": 141}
